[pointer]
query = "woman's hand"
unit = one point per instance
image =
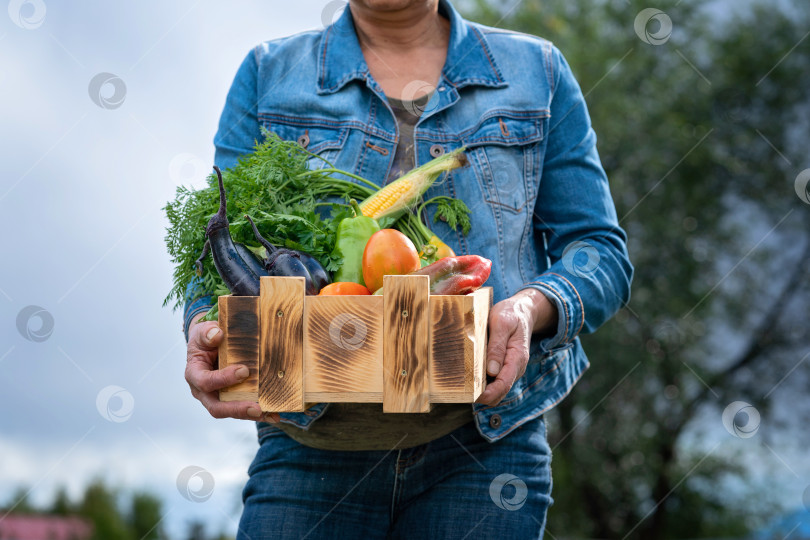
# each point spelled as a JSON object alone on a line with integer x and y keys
{"x": 511, "y": 324}
{"x": 205, "y": 381}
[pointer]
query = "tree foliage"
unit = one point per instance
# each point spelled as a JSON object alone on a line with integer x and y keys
{"x": 702, "y": 137}
{"x": 100, "y": 505}
{"x": 111, "y": 513}
{"x": 145, "y": 516}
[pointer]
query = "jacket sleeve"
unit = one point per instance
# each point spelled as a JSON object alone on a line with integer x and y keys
{"x": 239, "y": 123}
{"x": 590, "y": 273}
{"x": 196, "y": 302}
{"x": 236, "y": 136}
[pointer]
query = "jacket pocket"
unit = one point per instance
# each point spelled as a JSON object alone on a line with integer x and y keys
{"x": 505, "y": 150}
{"x": 321, "y": 137}
{"x": 540, "y": 377}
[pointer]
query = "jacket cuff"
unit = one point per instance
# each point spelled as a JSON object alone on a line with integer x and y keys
{"x": 570, "y": 310}
{"x": 198, "y": 305}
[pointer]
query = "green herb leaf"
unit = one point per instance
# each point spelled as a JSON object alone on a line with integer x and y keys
{"x": 454, "y": 211}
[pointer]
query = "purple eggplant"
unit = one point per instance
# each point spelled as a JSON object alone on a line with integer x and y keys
{"x": 320, "y": 278}
{"x": 251, "y": 259}
{"x": 248, "y": 256}
{"x": 289, "y": 262}
{"x": 237, "y": 274}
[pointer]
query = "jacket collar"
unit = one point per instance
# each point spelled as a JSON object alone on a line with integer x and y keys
{"x": 469, "y": 60}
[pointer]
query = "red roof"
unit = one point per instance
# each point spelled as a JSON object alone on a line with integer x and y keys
{"x": 27, "y": 527}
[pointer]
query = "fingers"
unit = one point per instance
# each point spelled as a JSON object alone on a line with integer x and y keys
{"x": 205, "y": 336}
{"x": 496, "y": 346}
{"x": 205, "y": 381}
{"x": 242, "y": 410}
{"x": 205, "y": 384}
{"x": 514, "y": 363}
{"x": 200, "y": 375}
{"x": 202, "y": 353}
{"x": 203, "y": 340}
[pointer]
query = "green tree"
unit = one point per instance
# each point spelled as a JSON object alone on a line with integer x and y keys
{"x": 20, "y": 502}
{"x": 196, "y": 531}
{"x": 100, "y": 506}
{"x": 702, "y": 137}
{"x": 146, "y": 516}
{"x": 61, "y": 504}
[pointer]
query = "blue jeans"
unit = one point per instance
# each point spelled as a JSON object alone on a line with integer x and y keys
{"x": 458, "y": 486}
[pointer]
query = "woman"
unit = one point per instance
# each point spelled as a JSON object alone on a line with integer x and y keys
{"x": 391, "y": 84}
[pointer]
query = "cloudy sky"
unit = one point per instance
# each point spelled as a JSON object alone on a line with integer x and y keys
{"x": 105, "y": 107}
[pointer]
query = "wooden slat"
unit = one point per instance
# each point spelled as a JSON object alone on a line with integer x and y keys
{"x": 343, "y": 397}
{"x": 406, "y": 370}
{"x": 482, "y": 303}
{"x": 239, "y": 322}
{"x": 451, "y": 348}
{"x": 343, "y": 349}
{"x": 281, "y": 348}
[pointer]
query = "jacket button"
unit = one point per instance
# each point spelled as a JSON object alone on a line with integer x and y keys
{"x": 303, "y": 140}
{"x": 495, "y": 421}
{"x": 436, "y": 150}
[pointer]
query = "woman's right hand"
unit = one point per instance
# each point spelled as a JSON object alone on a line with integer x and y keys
{"x": 206, "y": 382}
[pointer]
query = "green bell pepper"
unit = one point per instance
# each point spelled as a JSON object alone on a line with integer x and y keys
{"x": 352, "y": 236}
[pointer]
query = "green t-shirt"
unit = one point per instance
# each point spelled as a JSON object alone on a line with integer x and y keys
{"x": 364, "y": 426}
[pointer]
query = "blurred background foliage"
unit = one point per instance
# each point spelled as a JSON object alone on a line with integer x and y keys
{"x": 112, "y": 512}
{"x": 702, "y": 138}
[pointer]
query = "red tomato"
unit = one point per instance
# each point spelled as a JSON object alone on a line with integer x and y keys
{"x": 388, "y": 252}
{"x": 343, "y": 288}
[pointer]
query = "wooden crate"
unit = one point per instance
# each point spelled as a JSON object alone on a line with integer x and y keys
{"x": 405, "y": 349}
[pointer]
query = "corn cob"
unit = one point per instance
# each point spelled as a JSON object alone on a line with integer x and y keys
{"x": 395, "y": 198}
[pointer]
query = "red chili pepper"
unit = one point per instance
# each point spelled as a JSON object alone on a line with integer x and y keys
{"x": 456, "y": 275}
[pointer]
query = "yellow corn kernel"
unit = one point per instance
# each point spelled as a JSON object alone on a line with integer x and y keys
{"x": 386, "y": 197}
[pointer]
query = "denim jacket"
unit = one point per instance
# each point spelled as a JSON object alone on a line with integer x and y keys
{"x": 540, "y": 201}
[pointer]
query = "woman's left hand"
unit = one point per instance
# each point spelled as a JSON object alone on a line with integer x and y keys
{"x": 511, "y": 324}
